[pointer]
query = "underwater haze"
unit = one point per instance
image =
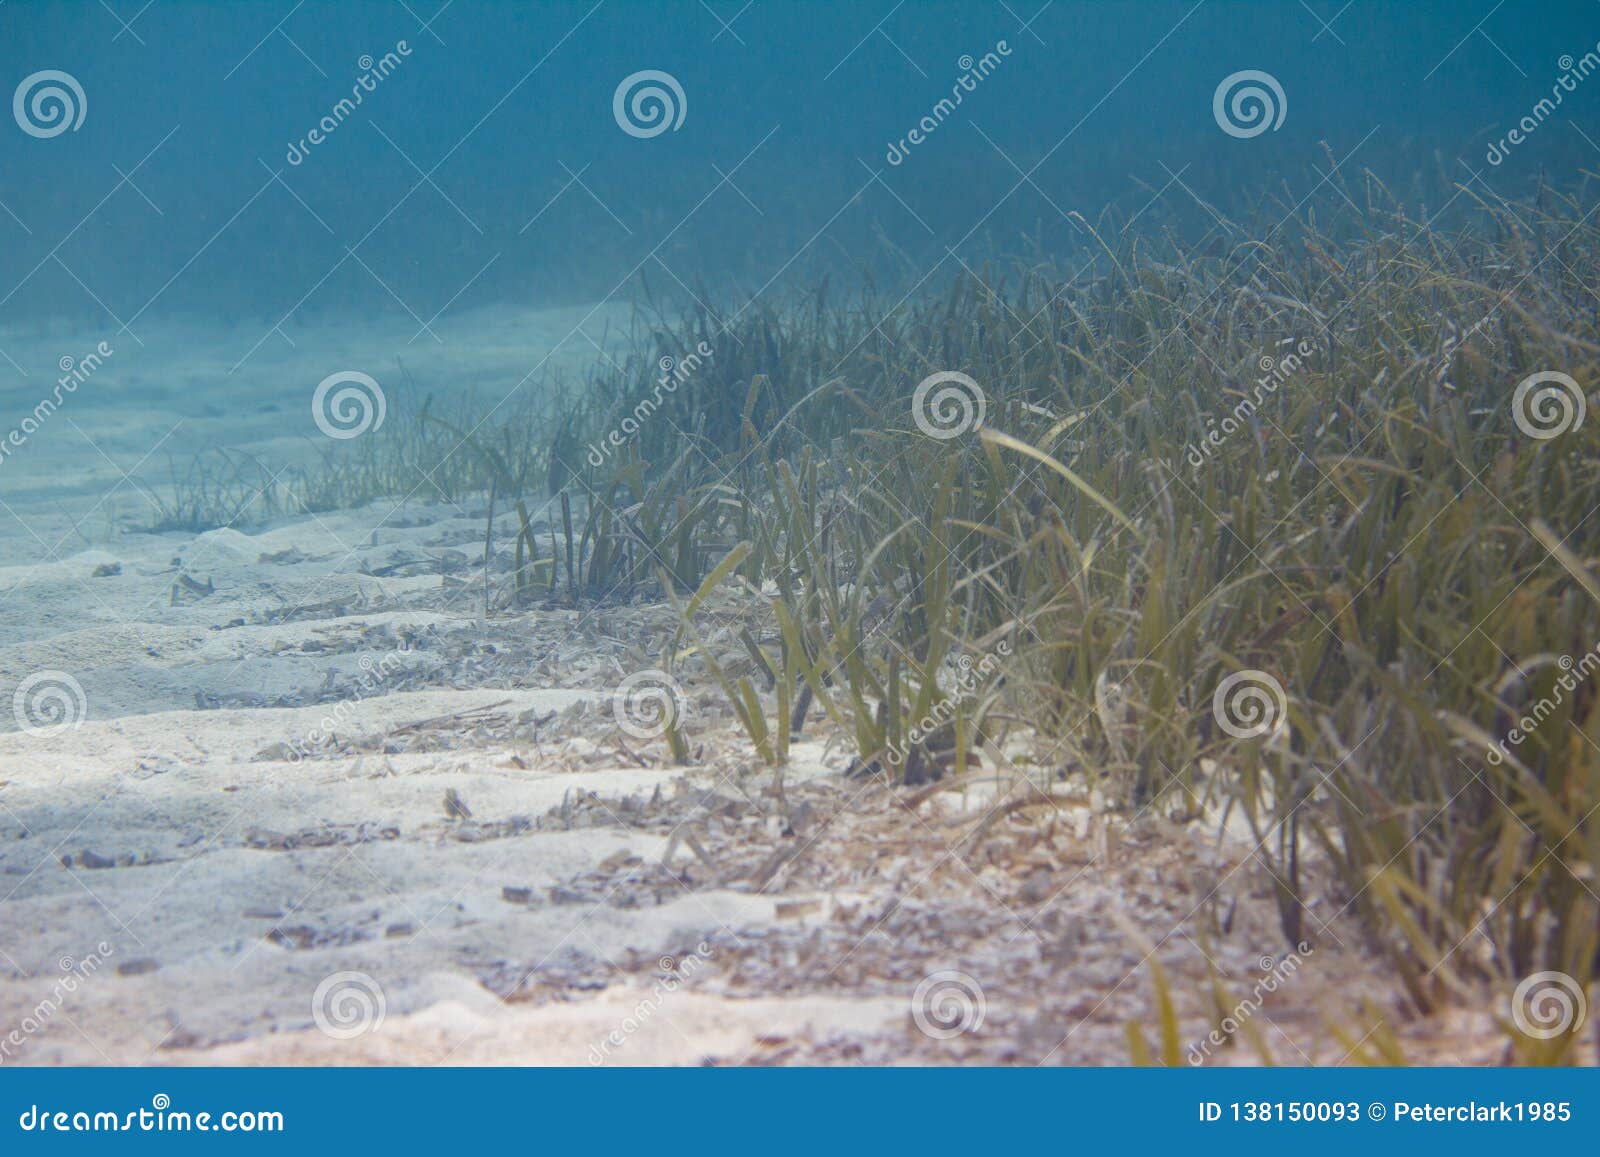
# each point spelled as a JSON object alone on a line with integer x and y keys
{"x": 487, "y": 166}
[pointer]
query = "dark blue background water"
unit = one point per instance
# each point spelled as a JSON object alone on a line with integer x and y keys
{"x": 422, "y": 200}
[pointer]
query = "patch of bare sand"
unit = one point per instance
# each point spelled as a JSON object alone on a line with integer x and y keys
{"x": 308, "y": 765}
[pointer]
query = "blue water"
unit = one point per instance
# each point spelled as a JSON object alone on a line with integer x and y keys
{"x": 487, "y": 166}
{"x": 239, "y": 200}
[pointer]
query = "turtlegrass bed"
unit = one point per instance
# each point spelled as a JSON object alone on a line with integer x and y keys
{"x": 1292, "y": 532}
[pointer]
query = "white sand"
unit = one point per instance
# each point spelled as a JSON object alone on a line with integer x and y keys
{"x": 179, "y": 776}
{"x": 177, "y": 802}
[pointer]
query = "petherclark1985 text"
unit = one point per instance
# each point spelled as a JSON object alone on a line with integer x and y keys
{"x": 1498, "y": 1112}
